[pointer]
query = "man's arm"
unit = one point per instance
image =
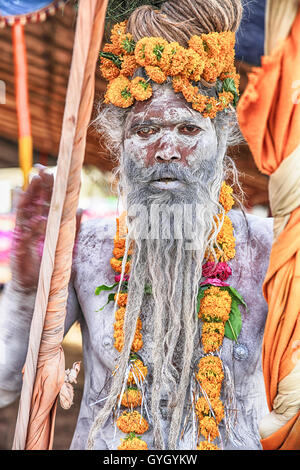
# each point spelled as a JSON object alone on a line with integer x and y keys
{"x": 16, "y": 310}
{"x": 18, "y": 298}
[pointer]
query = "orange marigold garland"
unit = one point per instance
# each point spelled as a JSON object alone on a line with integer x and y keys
{"x": 209, "y": 57}
{"x": 218, "y": 309}
{"x": 131, "y": 422}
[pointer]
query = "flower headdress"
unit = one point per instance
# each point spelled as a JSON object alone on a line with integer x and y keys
{"x": 209, "y": 59}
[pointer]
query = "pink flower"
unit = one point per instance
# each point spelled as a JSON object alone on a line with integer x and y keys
{"x": 214, "y": 282}
{"x": 118, "y": 277}
{"x": 220, "y": 270}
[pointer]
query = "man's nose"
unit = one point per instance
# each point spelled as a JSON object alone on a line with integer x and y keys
{"x": 167, "y": 152}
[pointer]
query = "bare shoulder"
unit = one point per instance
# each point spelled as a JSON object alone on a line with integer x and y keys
{"x": 250, "y": 228}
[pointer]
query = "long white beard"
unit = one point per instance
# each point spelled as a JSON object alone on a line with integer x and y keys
{"x": 172, "y": 264}
{"x": 173, "y": 268}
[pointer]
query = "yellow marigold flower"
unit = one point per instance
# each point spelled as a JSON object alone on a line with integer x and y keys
{"x": 132, "y": 442}
{"x": 132, "y": 421}
{"x": 154, "y": 48}
{"x": 121, "y": 299}
{"x": 209, "y": 428}
{"x": 225, "y": 197}
{"x": 131, "y": 398}
{"x": 118, "y": 92}
{"x": 129, "y": 65}
{"x": 203, "y": 409}
{"x": 140, "y": 89}
{"x": 116, "y": 264}
{"x": 205, "y": 445}
{"x": 173, "y": 59}
{"x": 212, "y": 336}
{"x": 155, "y": 74}
{"x": 138, "y": 370}
{"x": 215, "y": 305}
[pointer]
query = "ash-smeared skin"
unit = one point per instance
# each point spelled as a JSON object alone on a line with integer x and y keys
{"x": 167, "y": 114}
{"x": 91, "y": 267}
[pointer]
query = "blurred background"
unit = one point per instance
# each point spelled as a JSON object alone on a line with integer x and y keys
{"x": 48, "y": 38}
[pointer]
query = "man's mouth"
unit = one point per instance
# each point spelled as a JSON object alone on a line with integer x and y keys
{"x": 167, "y": 183}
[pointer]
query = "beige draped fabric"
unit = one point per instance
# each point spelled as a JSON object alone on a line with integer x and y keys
{"x": 44, "y": 371}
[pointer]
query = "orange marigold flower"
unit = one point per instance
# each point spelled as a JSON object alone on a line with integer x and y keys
{"x": 212, "y": 336}
{"x": 195, "y": 65}
{"x": 212, "y": 390}
{"x": 173, "y": 59}
{"x": 179, "y": 82}
{"x": 133, "y": 442}
{"x": 225, "y": 197}
{"x": 129, "y": 65}
{"x": 215, "y": 305}
{"x": 139, "y": 52}
{"x": 210, "y": 369}
{"x": 132, "y": 421}
{"x": 203, "y": 409}
{"x": 211, "y": 109}
{"x": 138, "y": 371}
{"x": 196, "y": 43}
{"x": 154, "y": 48}
{"x": 113, "y": 48}
{"x": 118, "y": 31}
{"x": 209, "y": 428}
{"x": 118, "y": 92}
{"x": 155, "y": 74}
{"x": 189, "y": 92}
{"x": 205, "y": 445}
{"x": 121, "y": 299}
{"x": 225, "y": 98}
{"x": 108, "y": 69}
{"x": 119, "y": 242}
{"x": 137, "y": 343}
{"x": 120, "y": 313}
{"x": 140, "y": 89}
{"x": 116, "y": 264}
{"x": 200, "y": 102}
{"x": 132, "y": 397}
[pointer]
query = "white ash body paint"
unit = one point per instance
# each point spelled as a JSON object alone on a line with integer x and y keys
{"x": 203, "y": 146}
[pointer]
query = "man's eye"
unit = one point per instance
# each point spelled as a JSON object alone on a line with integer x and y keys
{"x": 146, "y": 131}
{"x": 190, "y": 130}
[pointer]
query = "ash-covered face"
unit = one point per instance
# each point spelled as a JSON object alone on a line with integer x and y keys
{"x": 166, "y": 130}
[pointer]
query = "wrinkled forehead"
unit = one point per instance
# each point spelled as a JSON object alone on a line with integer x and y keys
{"x": 166, "y": 107}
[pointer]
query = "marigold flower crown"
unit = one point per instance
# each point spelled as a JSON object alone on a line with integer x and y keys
{"x": 208, "y": 59}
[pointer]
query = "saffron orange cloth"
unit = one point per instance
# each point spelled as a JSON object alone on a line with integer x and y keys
{"x": 269, "y": 118}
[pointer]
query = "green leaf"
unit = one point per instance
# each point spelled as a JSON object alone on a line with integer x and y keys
{"x": 113, "y": 57}
{"x": 104, "y": 287}
{"x": 229, "y": 85}
{"x": 110, "y": 298}
{"x": 233, "y": 325}
{"x": 148, "y": 289}
{"x": 237, "y": 296}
